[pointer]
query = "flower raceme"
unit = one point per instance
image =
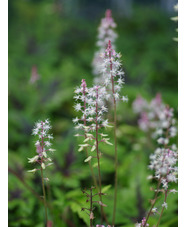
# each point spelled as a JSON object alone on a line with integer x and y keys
{"x": 90, "y": 102}
{"x": 164, "y": 159}
{"x": 112, "y": 73}
{"x": 158, "y": 118}
{"x": 42, "y": 144}
{"x": 105, "y": 33}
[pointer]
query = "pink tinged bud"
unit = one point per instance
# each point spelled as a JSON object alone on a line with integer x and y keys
{"x": 108, "y": 14}
{"x": 83, "y": 84}
{"x": 91, "y": 215}
{"x": 39, "y": 149}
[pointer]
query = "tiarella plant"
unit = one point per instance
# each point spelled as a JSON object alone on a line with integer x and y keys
{"x": 113, "y": 77}
{"x": 105, "y": 33}
{"x": 90, "y": 102}
{"x": 164, "y": 162}
{"x": 159, "y": 119}
{"x": 42, "y": 159}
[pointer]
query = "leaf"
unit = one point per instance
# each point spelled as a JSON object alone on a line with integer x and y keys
{"x": 106, "y": 188}
{"x": 76, "y": 208}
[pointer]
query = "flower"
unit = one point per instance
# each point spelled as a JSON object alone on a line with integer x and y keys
{"x": 165, "y": 205}
{"x": 42, "y": 144}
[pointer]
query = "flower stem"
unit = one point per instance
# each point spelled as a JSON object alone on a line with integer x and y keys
{"x": 91, "y": 208}
{"x": 162, "y": 210}
{"x": 116, "y": 165}
{"x": 44, "y": 195}
{"x": 153, "y": 203}
{"x": 115, "y": 142}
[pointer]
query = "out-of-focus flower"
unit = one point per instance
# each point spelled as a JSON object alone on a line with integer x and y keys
{"x": 105, "y": 33}
{"x": 34, "y": 75}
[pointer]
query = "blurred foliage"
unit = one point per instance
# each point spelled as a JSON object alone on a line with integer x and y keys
{"x": 61, "y": 46}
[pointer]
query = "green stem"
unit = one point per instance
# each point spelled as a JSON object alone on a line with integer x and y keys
{"x": 44, "y": 195}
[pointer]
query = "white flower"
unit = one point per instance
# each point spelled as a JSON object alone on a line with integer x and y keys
{"x": 124, "y": 98}
{"x": 78, "y": 107}
{"x": 105, "y": 123}
{"x": 47, "y": 143}
{"x": 75, "y": 120}
{"x": 165, "y": 205}
{"x": 34, "y": 159}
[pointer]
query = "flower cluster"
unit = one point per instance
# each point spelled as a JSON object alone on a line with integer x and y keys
{"x": 111, "y": 72}
{"x": 105, "y": 33}
{"x": 159, "y": 118}
{"x": 90, "y": 102}
{"x": 42, "y": 144}
{"x": 163, "y": 161}
{"x": 155, "y": 116}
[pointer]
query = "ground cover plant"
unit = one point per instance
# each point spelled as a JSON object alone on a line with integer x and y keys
{"x": 113, "y": 161}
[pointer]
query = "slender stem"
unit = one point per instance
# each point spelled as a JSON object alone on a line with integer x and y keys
{"x": 91, "y": 220}
{"x": 115, "y": 143}
{"x": 153, "y": 202}
{"x": 97, "y": 151}
{"x": 162, "y": 210}
{"x": 42, "y": 178}
{"x": 116, "y": 165}
{"x": 44, "y": 195}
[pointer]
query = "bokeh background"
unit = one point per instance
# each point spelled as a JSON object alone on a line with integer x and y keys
{"x": 55, "y": 40}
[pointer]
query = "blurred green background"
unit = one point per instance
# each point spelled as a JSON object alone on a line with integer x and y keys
{"x": 57, "y": 39}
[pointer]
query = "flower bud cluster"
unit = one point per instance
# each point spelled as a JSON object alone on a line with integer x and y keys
{"x": 105, "y": 33}
{"x": 90, "y": 103}
{"x": 43, "y": 145}
{"x": 112, "y": 73}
